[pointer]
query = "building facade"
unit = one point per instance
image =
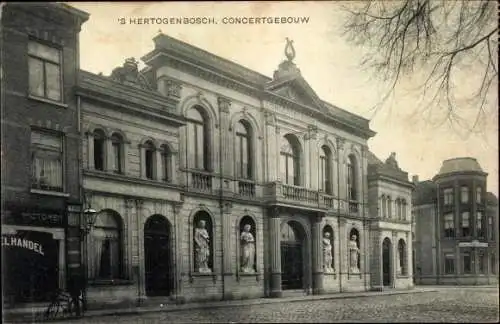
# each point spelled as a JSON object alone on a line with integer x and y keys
{"x": 389, "y": 199}
{"x": 210, "y": 181}
{"x": 456, "y": 237}
{"x": 40, "y": 149}
{"x": 215, "y": 182}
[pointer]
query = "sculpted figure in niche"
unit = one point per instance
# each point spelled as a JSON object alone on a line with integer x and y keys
{"x": 354, "y": 254}
{"x": 247, "y": 249}
{"x": 202, "y": 248}
{"x": 327, "y": 253}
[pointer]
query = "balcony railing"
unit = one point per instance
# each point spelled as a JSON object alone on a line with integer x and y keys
{"x": 277, "y": 192}
{"x": 246, "y": 189}
{"x": 201, "y": 181}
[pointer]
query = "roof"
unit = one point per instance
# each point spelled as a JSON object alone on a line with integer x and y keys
{"x": 387, "y": 170}
{"x": 373, "y": 159}
{"x": 179, "y": 52}
{"x": 424, "y": 193}
{"x": 491, "y": 199}
{"x": 459, "y": 165}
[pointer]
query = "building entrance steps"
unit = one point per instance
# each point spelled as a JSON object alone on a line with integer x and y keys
{"x": 169, "y": 305}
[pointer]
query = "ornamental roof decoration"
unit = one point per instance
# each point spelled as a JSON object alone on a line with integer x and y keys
{"x": 129, "y": 74}
{"x": 287, "y": 68}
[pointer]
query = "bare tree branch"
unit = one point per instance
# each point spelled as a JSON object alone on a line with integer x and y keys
{"x": 437, "y": 39}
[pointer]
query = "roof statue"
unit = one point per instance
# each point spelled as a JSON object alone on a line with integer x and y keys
{"x": 129, "y": 74}
{"x": 391, "y": 160}
{"x": 289, "y": 50}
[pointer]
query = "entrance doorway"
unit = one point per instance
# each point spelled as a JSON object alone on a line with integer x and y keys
{"x": 292, "y": 256}
{"x": 158, "y": 257}
{"x": 386, "y": 262}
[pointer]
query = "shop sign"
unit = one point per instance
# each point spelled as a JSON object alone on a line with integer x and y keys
{"x": 11, "y": 240}
{"x": 35, "y": 218}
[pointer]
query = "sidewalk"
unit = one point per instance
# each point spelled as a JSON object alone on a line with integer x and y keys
{"x": 28, "y": 315}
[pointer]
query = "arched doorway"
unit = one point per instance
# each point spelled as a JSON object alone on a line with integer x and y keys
{"x": 292, "y": 256}
{"x": 386, "y": 262}
{"x": 158, "y": 257}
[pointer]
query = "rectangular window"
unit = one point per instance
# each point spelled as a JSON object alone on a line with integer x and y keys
{"x": 47, "y": 161}
{"x": 466, "y": 262}
{"x": 449, "y": 225}
{"x": 44, "y": 65}
{"x": 464, "y": 195}
{"x": 479, "y": 224}
{"x": 449, "y": 263}
{"x": 482, "y": 262}
{"x": 465, "y": 224}
{"x": 491, "y": 229}
{"x": 493, "y": 265}
{"x": 448, "y": 196}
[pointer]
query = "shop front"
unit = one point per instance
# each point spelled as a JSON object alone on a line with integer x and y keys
{"x": 33, "y": 255}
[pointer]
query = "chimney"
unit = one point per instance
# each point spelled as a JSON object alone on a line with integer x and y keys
{"x": 415, "y": 179}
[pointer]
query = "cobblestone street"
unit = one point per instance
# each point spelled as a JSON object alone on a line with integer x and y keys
{"x": 446, "y": 305}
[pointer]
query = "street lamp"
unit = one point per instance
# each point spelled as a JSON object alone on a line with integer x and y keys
{"x": 89, "y": 218}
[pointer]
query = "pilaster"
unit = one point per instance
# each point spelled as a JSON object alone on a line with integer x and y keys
{"x": 317, "y": 255}
{"x": 225, "y": 136}
{"x": 140, "y": 244}
{"x": 274, "y": 237}
{"x": 227, "y": 246}
{"x": 394, "y": 258}
{"x": 90, "y": 151}
{"x": 342, "y": 194}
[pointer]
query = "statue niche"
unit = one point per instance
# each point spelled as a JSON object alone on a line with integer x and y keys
{"x": 247, "y": 246}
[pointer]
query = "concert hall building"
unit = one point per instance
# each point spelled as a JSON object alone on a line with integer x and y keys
{"x": 195, "y": 137}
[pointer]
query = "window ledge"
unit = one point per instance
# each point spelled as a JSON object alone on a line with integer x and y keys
{"x": 49, "y": 193}
{"x": 111, "y": 282}
{"x": 45, "y": 100}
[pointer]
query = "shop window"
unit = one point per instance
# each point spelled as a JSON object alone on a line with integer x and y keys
{"x": 449, "y": 263}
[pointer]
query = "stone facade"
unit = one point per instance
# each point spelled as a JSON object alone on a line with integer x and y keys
{"x": 456, "y": 234}
{"x": 182, "y": 157}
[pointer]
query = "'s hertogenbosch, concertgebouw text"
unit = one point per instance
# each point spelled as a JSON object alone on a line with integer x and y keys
{"x": 213, "y": 20}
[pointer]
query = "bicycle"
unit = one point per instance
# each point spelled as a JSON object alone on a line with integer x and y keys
{"x": 62, "y": 303}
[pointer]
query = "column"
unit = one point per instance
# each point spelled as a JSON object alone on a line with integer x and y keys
{"x": 342, "y": 179}
{"x": 394, "y": 259}
{"x": 305, "y": 169}
{"x": 140, "y": 250}
{"x": 317, "y": 255}
{"x": 158, "y": 172}
{"x": 179, "y": 265}
{"x": 109, "y": 157}
{"x": 226, "y": 245}
{"x": 130, "y": 240}
{"x": 275, "y": 249}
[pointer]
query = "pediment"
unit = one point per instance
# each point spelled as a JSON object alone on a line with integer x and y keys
{"x": 298, "y": 90}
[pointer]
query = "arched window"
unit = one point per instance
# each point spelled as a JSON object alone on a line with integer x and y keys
{"x": 398, "y": 208}
{"x": 106, "y": 252}
{"x": 197, "y": 139}
{"x": 464, "y": 194}
{"x": 389, "y": 206}
{"x": 117, "y": 153}
{"x": 166, "y": 161}
{"x": 479, "y": 193}
{"x": 247, "y": 238}
{"x": 480, "y": 224}
{"x": 149, "y": 160}
{"x": 402, "y": 257}
{"x": 99, "y": 149}
{"x": 203, "y": 240}
{"x": 325, "y": 169}
{"x": 352, "y": 190}
{"x": 403, "y": 209}
{"x": 384, "y": 206}
{"x": 290, "y": 160}
{"x": 243, "y": 150}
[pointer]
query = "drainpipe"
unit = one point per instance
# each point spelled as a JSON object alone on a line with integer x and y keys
{"x": 221, "y": 206}
{"x": 338, "y": 216}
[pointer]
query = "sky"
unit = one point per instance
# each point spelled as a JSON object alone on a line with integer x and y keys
{"x": 327, "y": 61}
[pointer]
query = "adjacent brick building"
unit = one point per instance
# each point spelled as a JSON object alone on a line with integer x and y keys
{"x": 40, "y": 148}
{"x": 456, "y": 226}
